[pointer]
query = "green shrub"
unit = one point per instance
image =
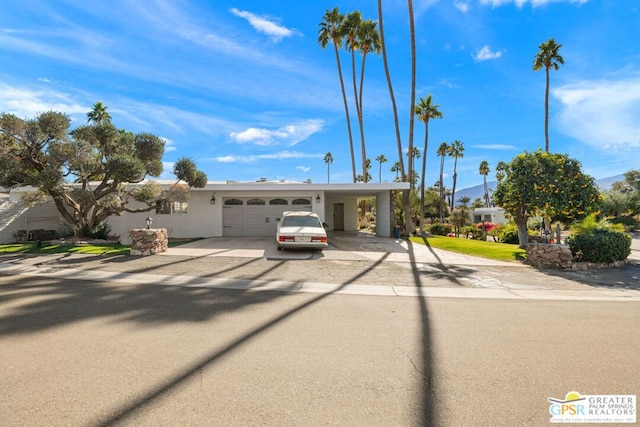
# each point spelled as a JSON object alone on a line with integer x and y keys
{"x": 101, "y": 231}
{"x": 600, "y": 246}
{"x": 506, "y": 233}
{"x": 440, "y": 229}
{"x": 471, "y": 232}
{"x": 628, "y": 222}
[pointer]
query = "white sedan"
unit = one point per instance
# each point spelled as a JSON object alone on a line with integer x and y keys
{"x": 300, "y": 230}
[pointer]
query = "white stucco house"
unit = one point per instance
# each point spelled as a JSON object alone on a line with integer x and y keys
{"x": 495, "y": 215}
{"x": 227, "y": 209}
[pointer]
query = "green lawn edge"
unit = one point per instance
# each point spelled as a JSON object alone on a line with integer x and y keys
{"x": 46, "y": 248}
{"x": 479, "y": 248}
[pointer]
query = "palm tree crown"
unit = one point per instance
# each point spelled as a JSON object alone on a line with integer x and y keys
{"x": 99, "y": 114}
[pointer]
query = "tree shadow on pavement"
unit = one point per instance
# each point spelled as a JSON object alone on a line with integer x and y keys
{"x": 452, "y": 273}
{"x": 627, "y": 277}
{"x": 427, "y": 396}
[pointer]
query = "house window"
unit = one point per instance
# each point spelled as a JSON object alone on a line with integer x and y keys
{"x": 171, "y": 208}
{"x": 278, "y": 202}
{"x": 233, "y": 202}
{"x": 487, "y": 218}
{"x": 301, "y": 202}
{"x": 256, "y": 202}
{"x": 477, "y": 218}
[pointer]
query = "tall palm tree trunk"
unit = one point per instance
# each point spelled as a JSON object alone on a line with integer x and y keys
{"x": 455, "y": 179}
{"x": 391, "y": 94}
{"x": 424, "y": 170}
{"x": 346, "y": 110}
{"x": 361, "y": 123}
{"x": 412, "y": 33}
{"x": 546, "y": 113}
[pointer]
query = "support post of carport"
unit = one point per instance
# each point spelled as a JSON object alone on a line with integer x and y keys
{"x": 383, "y": 214}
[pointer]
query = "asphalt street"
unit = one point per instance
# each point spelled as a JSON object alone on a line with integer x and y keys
{"x": 99, "y": 353}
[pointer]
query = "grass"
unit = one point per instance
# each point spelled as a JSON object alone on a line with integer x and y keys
{"x": 491, "y": 250}
{"x": 45, "y": 248}
{"x": 89, "y": 249}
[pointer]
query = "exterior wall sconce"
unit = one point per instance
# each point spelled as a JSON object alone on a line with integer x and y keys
{"x": 318, "y": 198}
{"x": 213, "y": 199}
{"x": 149, "y": 221}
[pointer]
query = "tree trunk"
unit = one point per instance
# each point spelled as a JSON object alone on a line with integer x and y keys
{"x": 546, "y": 114}
{"x": 523, "y": 234}
{"x": 393, "y": 99}
{"x": 346, "y": 110}
{"x": 424, "y": 171}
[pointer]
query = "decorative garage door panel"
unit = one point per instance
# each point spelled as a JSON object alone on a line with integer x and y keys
{"x": 255, "y": 216}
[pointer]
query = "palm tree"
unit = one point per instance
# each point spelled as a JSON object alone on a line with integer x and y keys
{"x": 425, "y": 110}
{"x": 456, "y": 151}
{"x": 547, "y": 57}
{"x": 399, "y": 165}
{"x": 328, "y": 159}
{"x": 442, "y": 152}
{"x": 396, "y": 168}
{"x": 362, "y": 35}
{"x": 412, "y": 101}
{"x": 464, "y": 201}
{"x": 381, "y": 159}
{"x": 414, "y": 154}
{"x": 331, "y": 30}
{"x": 99, "y": 114}
{"x": 484, "y": 171}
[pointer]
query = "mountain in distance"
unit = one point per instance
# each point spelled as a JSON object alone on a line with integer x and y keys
{"x": 477, "y": 191}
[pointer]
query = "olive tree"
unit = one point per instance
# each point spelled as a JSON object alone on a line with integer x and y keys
{"x": 87, "y": 172}
{"x": 546, "y": 184}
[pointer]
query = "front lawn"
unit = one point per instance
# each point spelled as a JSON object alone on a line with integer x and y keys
{"x": 45, "y": 248}
{"x": 492, "y": 250}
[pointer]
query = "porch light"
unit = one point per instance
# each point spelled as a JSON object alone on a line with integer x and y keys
{"x": 213, "y": 199}
{"x": 318, "y": 198}
{"x": 149, "y": 221}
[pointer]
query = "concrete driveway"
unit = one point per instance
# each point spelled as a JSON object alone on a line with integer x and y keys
{"x": 348, "y": 246}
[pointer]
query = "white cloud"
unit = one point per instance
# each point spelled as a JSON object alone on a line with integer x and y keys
{"x": 602, "y": 113}
{"x": 169, "y": 145}
{"x": 270, "y": 156}
{"x": 289, "y": 135}
{"x": 462, "y": 6}
{"x": 28, "y": 103}
{"x": 304, "y": 169}
{"x": 485, "y": 53}
{"x": 263, "y": 25}
{"x": 534, "y": 3}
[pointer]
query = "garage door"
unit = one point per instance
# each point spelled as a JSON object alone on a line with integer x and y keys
{"x": 256, "y": 216}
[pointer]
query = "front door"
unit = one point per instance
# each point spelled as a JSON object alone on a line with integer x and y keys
{"x": 338, "y": 216}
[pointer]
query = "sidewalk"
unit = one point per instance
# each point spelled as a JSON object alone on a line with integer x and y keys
{"x": 353, "y": 265}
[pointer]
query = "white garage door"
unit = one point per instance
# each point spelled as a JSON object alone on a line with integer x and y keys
{"x": 256, "y": 216}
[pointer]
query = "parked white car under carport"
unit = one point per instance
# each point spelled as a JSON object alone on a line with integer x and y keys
{"x": 300, "y": 230}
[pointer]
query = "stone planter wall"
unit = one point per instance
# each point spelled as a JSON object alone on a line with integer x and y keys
{"x": 542, "y": 255}
{"x": 148, "y": 241}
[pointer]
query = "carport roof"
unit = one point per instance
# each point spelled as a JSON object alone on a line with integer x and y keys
{"x": 346, "y": 188}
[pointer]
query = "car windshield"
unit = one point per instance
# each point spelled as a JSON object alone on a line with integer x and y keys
{"x": 301, "y": 221}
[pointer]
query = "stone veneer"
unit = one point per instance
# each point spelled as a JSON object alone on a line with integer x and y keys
{"x": 543, "y": 255}
{"x": 148, "y": 241}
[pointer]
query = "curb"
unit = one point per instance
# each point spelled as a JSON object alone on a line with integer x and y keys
{"x": 626, "y": 295}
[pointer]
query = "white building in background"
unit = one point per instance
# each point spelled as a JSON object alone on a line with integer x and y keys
{"x": 495, "y": 215}
{"x": 226, "y": 209}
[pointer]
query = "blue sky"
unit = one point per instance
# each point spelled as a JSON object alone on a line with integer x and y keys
{"x": 244, "y": 89}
